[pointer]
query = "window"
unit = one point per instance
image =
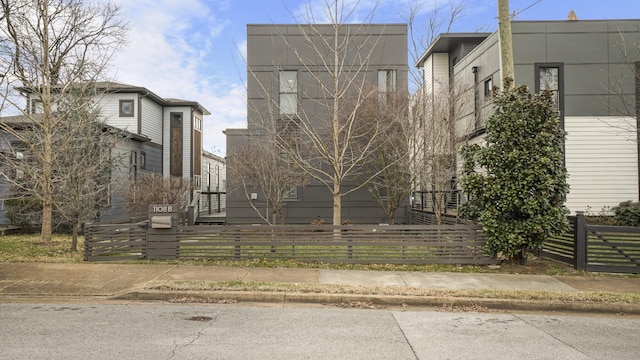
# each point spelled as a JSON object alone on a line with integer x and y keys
{"x": 36, "y": 107}
{"x": 133, "y": 165}
{"x": 288, "y": 92}
{"x": 549, "y": 81}
{"x": 126, "y": 108}
{"x": 175, "y": 144}
{"x": 550, "y": 77}
{"x": 143, "y": 160}
{"x": 386, "y": 84}
{"x": 488, "y": 88}
{"x": 176, "y": 119}
{"x": 197, "y": 123}
{"x": 292, "y": 193}
{"x": 19, "y": 171}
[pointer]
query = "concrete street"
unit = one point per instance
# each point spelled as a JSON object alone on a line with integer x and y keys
{"x": 160, "y": 331}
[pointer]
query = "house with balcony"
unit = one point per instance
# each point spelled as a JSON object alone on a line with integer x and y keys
{"x": 165, "y": 136}
{"x": 592, "y": 68}
{"x": 288, "y": 74}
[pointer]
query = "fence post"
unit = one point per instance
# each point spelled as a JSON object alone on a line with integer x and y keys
{"x": 237, "y": 251}
{"x": 580, "y": 243}
{"x": 87, "y": 240}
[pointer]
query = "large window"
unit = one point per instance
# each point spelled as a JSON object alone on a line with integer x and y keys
{"x": 550, "y": 77}
{"x": 288, "y": 92}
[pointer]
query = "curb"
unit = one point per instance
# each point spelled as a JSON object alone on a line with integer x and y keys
{"x": 387, "y": 300}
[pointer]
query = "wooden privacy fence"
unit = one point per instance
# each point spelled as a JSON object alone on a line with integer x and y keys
{"x": 115, "y": 242}
{"x": 456, "y": 244}
{"x": 399, "y": 244}
{"x": 596, "y": 247}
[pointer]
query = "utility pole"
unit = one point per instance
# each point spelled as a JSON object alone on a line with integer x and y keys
{"x": 506, "y": 49}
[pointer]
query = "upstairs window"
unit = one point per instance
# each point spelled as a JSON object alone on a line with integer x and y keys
{"x": 36, "y": 107}
{"x": 133, "y": 165}
{"x": 386, "y": 84}
{"x": 126, "y": 108}
{"x": 288, "y": 92}
{"x": 488, "y": 88}
{"x": 550, "y": 77}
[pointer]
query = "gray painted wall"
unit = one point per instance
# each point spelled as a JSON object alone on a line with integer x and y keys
{"x": 596, "y": 56}
{"x": 271, "y": 48}
{"x": 593, "y": 57}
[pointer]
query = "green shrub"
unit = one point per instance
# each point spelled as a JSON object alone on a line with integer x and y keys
{"x": 627, "y": 213}
{"x": 516, "y": 183}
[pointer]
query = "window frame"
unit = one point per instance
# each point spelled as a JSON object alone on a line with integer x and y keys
{"x": 36, "y": 106}
{"x": 291, "y": 194}
{"x": 133, "y": 165}
{"x": 487, "y": 85}
{"x": 123, "y": 112}
{"x": 560, "y": 66}
{"x": 142, "y": 163}
{"x": 390, "y": 82}
{"x": 288, "y": 92}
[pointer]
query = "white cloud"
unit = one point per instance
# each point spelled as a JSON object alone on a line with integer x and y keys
{"x": 171, "y": 52}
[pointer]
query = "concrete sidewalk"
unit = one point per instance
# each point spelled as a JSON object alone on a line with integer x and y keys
{"x": 132, "y": 281}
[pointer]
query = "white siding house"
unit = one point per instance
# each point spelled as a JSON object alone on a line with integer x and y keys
{"x": 593, "y": 81}
{"x": 601, "y": 154}
{"x": 147, "y": 118}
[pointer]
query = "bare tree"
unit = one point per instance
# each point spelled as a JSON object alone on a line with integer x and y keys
{"x": 51, "y": 51}
{"x": 435, "y": 108}
{"x": 260, "y": 165}
{"x": 623, "y": 101}
{"x": 391, "y": 157}
{"x": 153, "y": 188}
{"x": 436, "y": 141}
{"x": 83, "y": 187}
{"x": 334, "y": 58}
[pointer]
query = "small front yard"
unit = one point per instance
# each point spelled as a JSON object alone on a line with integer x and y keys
{"x": 29, "y": 248}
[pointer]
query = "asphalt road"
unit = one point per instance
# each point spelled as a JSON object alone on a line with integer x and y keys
{"x": 176, "y": 331}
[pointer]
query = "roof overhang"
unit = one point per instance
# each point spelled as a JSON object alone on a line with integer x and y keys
{"x": 446, "y": 42}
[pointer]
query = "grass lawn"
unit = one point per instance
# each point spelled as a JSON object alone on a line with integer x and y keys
{"x": 29, "y": 248}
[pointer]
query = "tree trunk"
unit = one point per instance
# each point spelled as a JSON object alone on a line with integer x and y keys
{"x": 74, "y": 235}
{"x": 337, "y": 205}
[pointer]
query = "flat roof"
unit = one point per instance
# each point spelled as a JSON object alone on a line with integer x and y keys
{"x": 446, "y": 41}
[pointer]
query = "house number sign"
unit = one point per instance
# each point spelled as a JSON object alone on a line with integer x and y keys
{"x": 162, "y": 208}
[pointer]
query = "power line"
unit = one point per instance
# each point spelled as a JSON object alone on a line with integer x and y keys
{"x": 516, "y": 13}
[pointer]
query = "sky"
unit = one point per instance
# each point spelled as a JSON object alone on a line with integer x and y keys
{"x": 194, "y": 49}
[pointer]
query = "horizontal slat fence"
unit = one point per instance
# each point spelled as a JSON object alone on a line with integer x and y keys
{"x": 425, "y": 217}
{"x": 613, "y": 249}
{"x": 403, "y": 244}
{"x": 596, "y": 248}
{"x": 114, "y": 242}
{"x": 561, "y": 247}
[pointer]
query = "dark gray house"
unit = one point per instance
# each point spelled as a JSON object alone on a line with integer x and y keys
{"x": 591, "y": 66}
{"x": 288, "y": 68}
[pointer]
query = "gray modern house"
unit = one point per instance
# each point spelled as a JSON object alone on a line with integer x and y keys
{"x": 288, "y": 71}
{"x": 592, "y": 68}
